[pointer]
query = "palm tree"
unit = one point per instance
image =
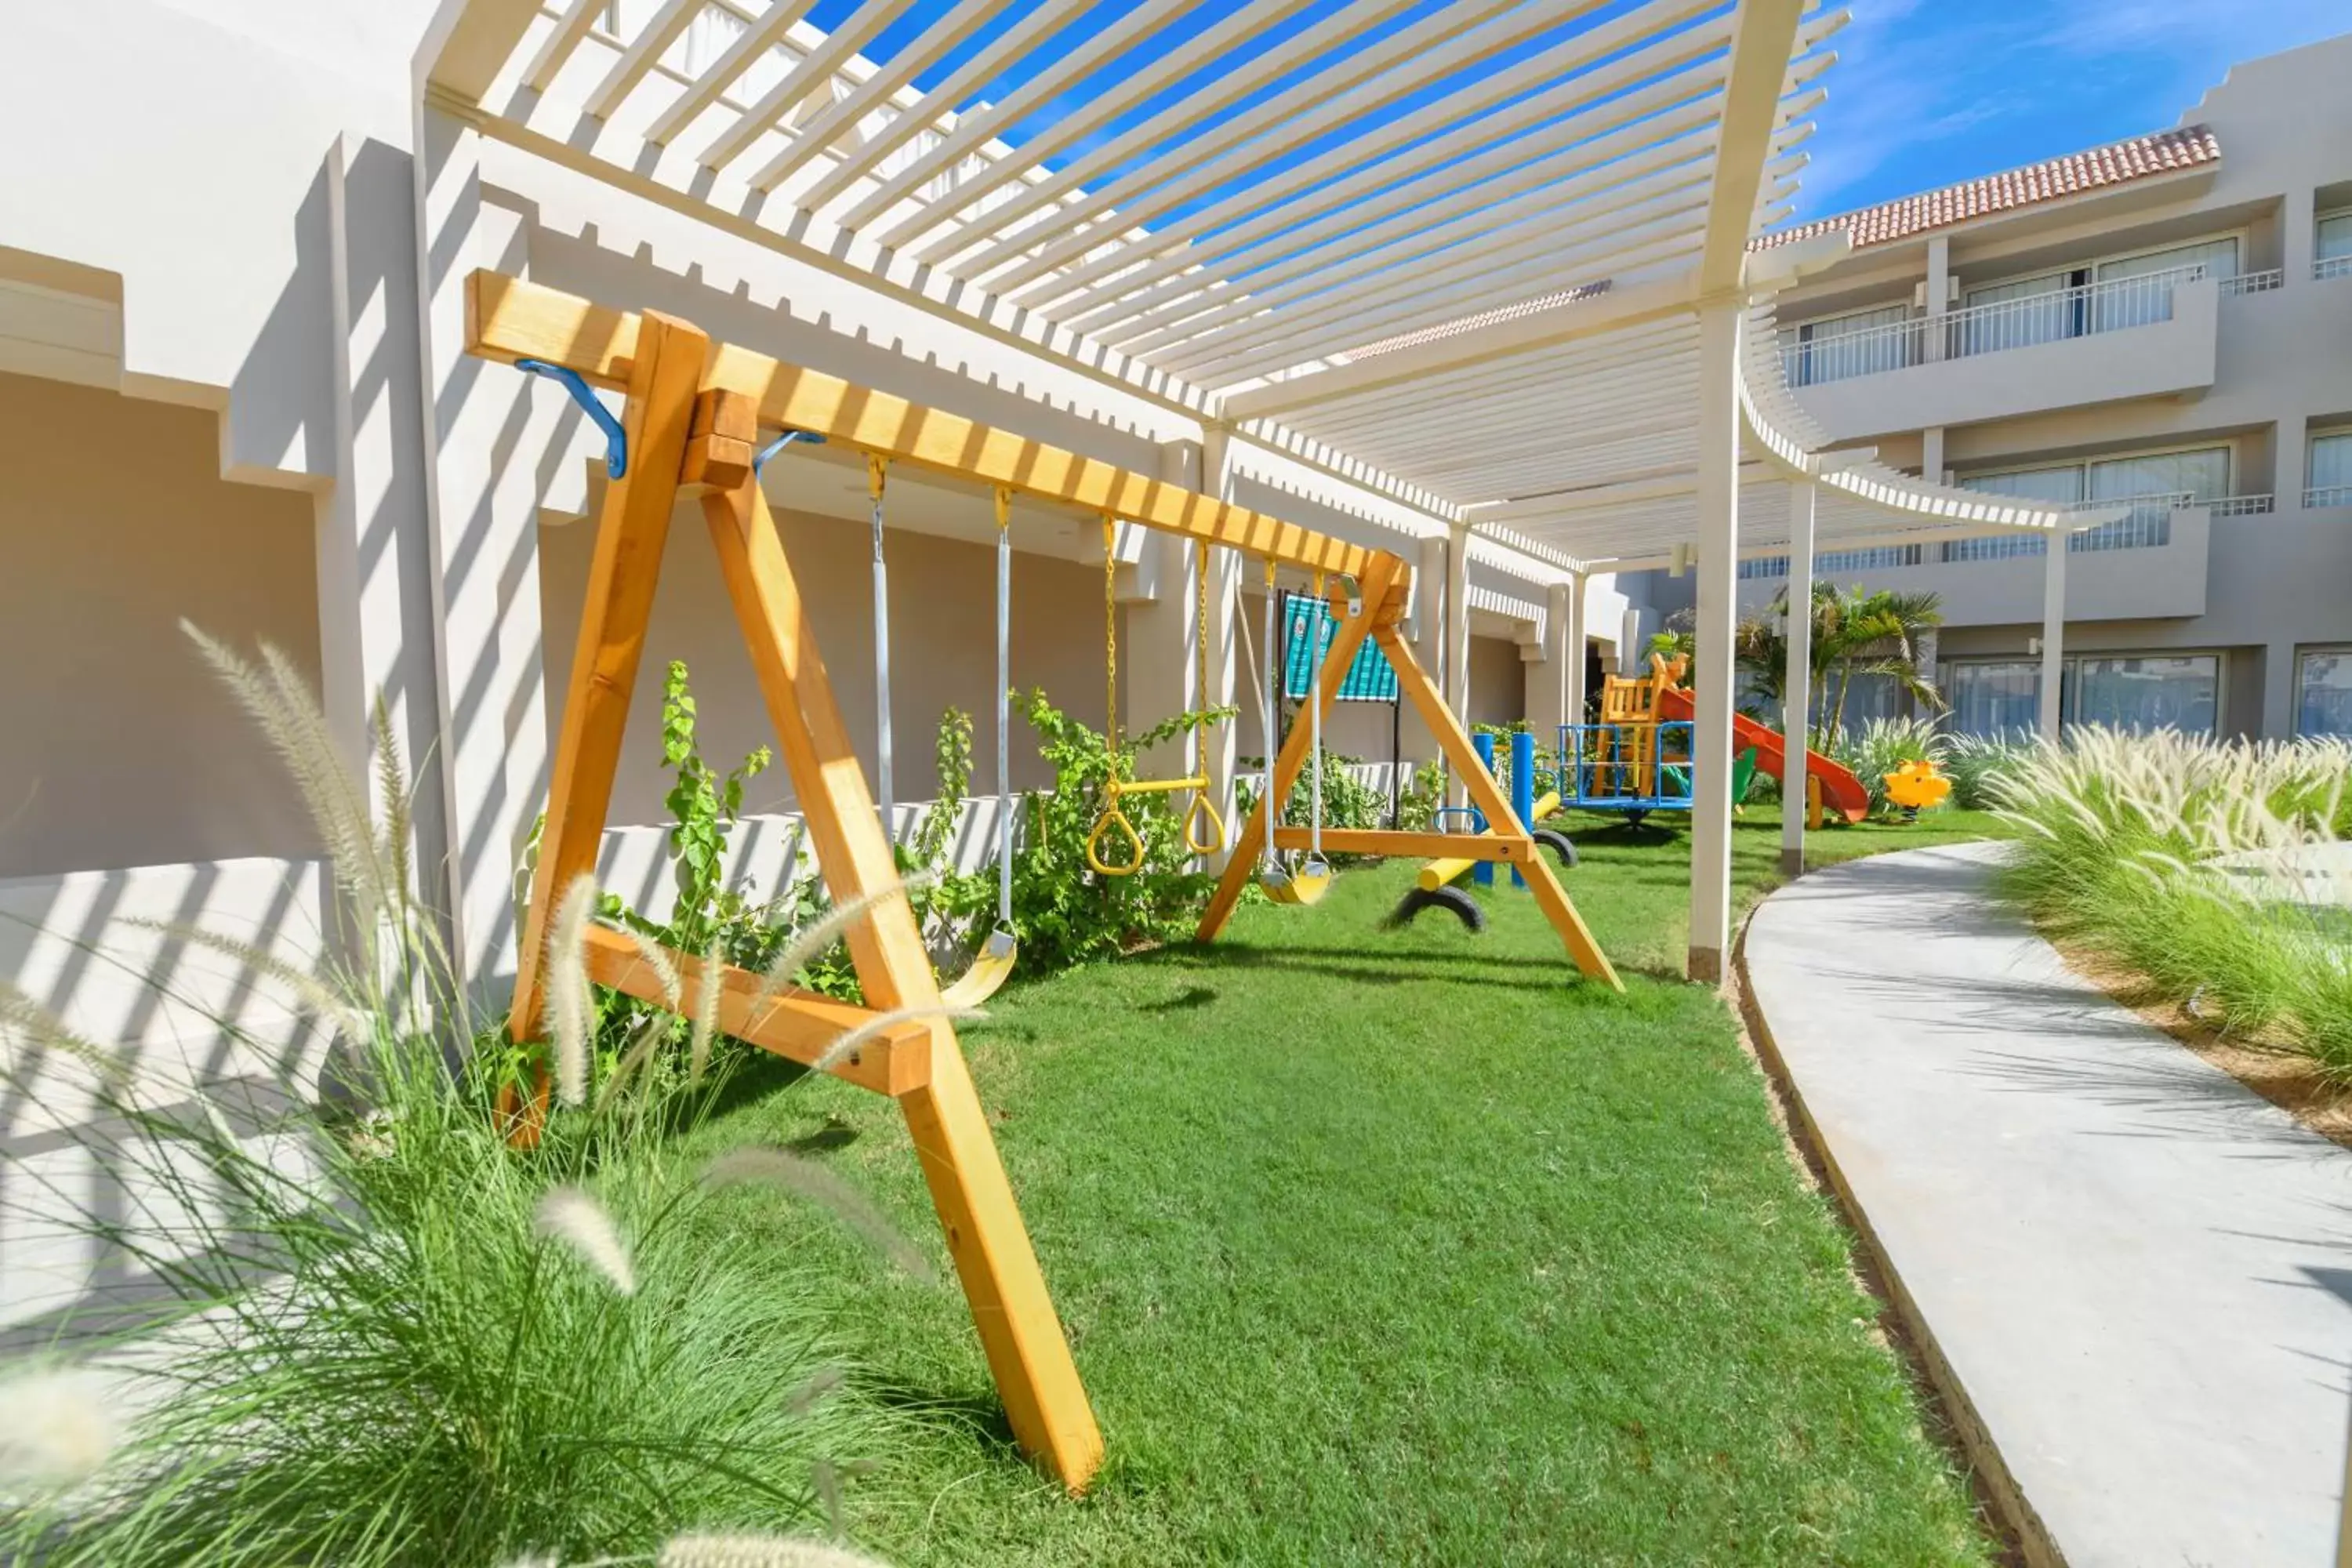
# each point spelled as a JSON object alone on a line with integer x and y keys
{"x": 1854, "y": 633}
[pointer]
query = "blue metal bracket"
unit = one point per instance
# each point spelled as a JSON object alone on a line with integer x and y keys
{"x": 779, "y": 443}
{"x": 616, "y": 439}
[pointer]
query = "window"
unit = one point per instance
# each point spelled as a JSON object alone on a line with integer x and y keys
{"x": 2334, "y": 257}
{"x": 1866, "y": 560}
{"x": 1758, "y": 568}
{"x": 2141, "y": 694}
{"x": 1993, "y": 697}
{"x": 2157, "y": 478}
{"x": 1860, "y": 343}
{"x": 2101, "y": 297}
{"x": 2327, "y": 468}
{"x": 2323, "y": 691}
{"x": 2138, "y": 693}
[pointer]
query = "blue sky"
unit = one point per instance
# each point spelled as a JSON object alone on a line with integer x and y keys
{"x": 1925, "y": 92}
{"x": 1928, "y": 92}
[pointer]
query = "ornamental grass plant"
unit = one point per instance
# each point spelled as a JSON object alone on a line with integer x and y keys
{"x": 357, "y": 1327}
{"x": 2215, "y": 869}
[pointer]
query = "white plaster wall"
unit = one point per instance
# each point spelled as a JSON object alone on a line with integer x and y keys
{"x": 121, "y": 747}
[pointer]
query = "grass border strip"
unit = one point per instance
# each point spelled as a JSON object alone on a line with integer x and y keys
{"x": 2027, "y": 1536}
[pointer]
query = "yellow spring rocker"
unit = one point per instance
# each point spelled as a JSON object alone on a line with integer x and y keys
{"x": 1914, "y": 786}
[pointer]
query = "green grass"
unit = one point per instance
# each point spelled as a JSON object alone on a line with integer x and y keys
{"x": 1394, "y": 1247}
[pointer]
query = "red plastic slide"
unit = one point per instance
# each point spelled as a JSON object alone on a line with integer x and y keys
{"x": 1841, "y": 791}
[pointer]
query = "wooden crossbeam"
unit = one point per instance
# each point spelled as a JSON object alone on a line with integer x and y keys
{"x": 507, "y": 319}
{"x": 1380, "y": 841}
{"x": 795, "y": 1025}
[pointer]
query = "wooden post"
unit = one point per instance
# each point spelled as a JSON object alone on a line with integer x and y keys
{"x": 664, "y": 377}
{"x": 1501, "y": 820}
{"x": 1036, "y": 1376}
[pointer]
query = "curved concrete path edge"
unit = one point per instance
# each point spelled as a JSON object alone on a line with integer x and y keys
{"x": 2129, "y": 1275}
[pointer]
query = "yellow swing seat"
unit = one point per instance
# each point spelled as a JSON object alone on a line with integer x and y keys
{"x": 990, "y": 967}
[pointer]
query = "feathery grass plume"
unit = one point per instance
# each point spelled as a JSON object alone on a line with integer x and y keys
{"x": 57, "y": 1425}
{"x": 813, "y": 940}
{"x": 705, "y": 1016}
{"x": 569, "y": 1215}
{"x": 568, "y": 1003}
{"x": 700, "y": 1551}
{"x": 28, "y": 1021}
{"x": 392, "y": 784}
{"x": 280, "y": 700}
{"x": 821, "y": 1185}
{"x": 882, "y": 1024}
{"x": 658, "y": 960}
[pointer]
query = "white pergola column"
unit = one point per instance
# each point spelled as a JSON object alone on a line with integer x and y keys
{"x": 1221, "y": 743}
{"x": 1797, "y": 681}
{"x": 1457, "y": 642}
{"x": 2054, "y": 630}
{"x": 1572, "y": 634}
{"x": 376, "y": 630}
{"x": 1711, "y": 667}
{"x": 491, "y": 433}
{"x": 1547, "y": 673}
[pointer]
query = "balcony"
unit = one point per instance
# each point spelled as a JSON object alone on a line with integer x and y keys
{"x": 2158, "y": 335}
{"x": 2150, "y": 564}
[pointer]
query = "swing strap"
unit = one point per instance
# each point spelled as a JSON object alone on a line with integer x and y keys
{"x": 886, "y": 802}
{"x": 782, "y": 441}
{"x": 1004, "y": 708}
{"x": 1315, "y": 728}
{"x": 1204, "y": 829}
{"x": 1114, "y": 848}
{"x": 1266, "y": 699}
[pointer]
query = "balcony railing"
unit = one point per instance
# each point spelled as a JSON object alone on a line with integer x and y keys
{"x": 2332, "y": 267}
{"x": 2111, "y": 306}
{"x": 2254, "y": 282}
{"x": 2242, "y": 506}
{"x": 2327, "y": 495}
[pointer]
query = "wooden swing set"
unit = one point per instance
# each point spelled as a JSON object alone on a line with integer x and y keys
{"x": 695, "y": 412}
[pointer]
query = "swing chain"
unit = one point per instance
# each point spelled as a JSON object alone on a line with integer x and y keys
{"x": 1110, "y": 644}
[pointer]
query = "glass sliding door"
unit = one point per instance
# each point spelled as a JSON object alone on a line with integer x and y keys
{"x": 2126, "y": 304}
{"x": 2323, "y": 691}
{"x": 2140, "y": 694}
{"x": 2061, "y": 486}
{"x": 1993, "y": 697}
{"x": 2158, "y": 482}
{"x": 2018, "y": 315}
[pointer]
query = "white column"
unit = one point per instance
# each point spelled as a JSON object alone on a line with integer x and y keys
{"x": 2054, "y": 630}
{"x": 1457, "y": 643}
{"x": 1547, "y": 672}
{"x": 375, "y": 553}
{"x": 491, "y": 433}
{"x": 1158, "y": 634}
{"x": 1718, "y": 556}
{"x": 1574, "y": 638}
{"x": 1931, "y": 454}
{"x": 1940, "y": 275}
{"x": 1221, "y": 745}
{"x": 1797, "y": 680}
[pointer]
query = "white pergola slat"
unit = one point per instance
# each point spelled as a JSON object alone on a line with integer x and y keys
{"x": 1495, "y": 260}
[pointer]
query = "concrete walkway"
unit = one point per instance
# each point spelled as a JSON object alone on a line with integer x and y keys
{"x": 2136, "y": 1272}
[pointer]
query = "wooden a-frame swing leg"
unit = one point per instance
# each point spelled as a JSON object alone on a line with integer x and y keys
{"x": 1489, "y": 799}
{"x": 665, "y": 375}
{"x": 1250, "y": 843}
{"x": 1023, "y": 1337}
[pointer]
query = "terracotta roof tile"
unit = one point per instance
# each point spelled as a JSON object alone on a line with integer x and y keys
{"x": 2116, "y": 163}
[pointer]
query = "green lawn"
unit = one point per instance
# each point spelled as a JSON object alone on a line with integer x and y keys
{"x": 1391, "y": 1247}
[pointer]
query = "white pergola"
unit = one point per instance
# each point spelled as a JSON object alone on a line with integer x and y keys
{"x": 1498, "y": 260}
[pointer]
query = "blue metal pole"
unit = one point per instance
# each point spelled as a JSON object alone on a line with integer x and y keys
{"x": 1523, "y": 788}
{"x": 1484, "y": 872}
